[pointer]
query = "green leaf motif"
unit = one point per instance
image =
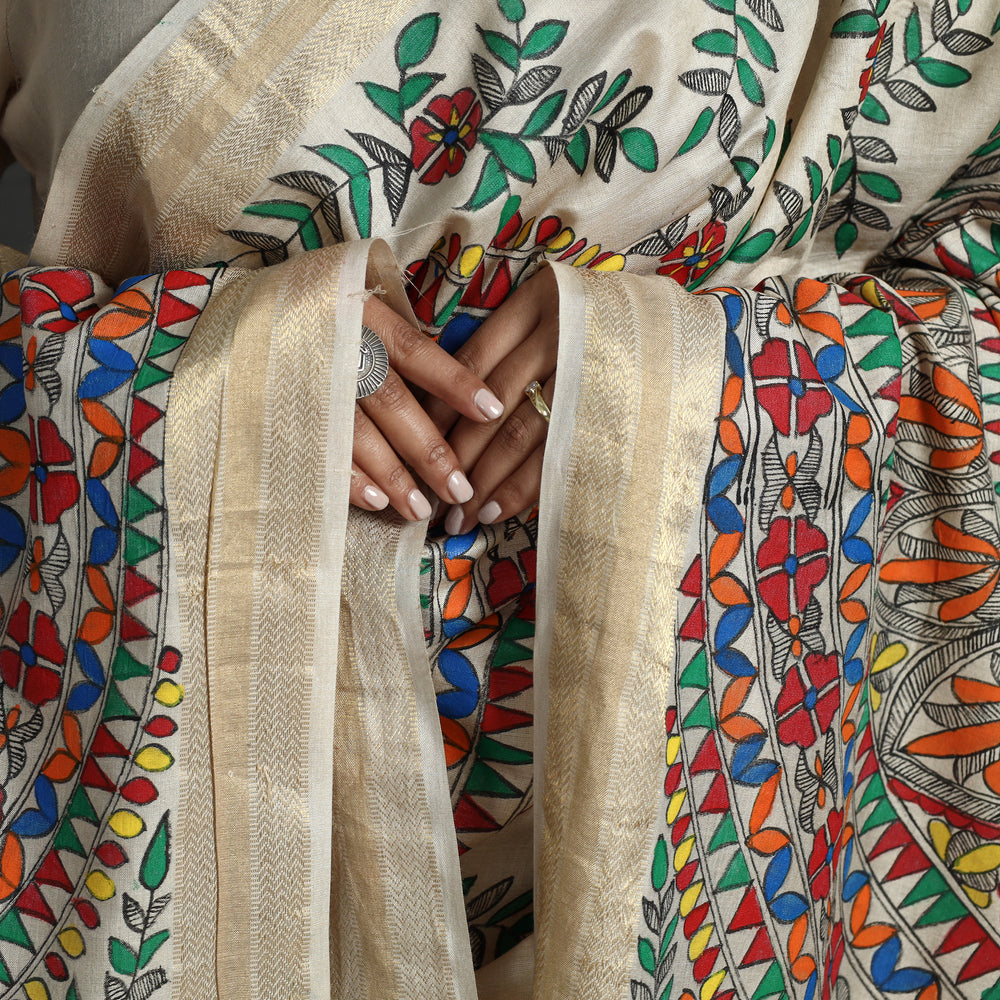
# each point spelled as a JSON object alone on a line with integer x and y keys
{"x": 873, "y": 109}
{"x": 492, "y": 183}
{"x": 513, "y": 10}
{"x": 769, "y": 135}
{"x": 749, "y": 82}
{"x": 716, "y": 43}
{"x": 844, "y": 237}
{"x": 912, "y": 38}
{"x": 617, "y": 86}
{"x": 122, "y": 958}
{"x": 941, "y": 73}
{"x": 858, "y": 24}
{"x": 698, "y": 131}
{"x": 647, "y": 955}
{"x": 578, "y": 151}
{"x": 278, "y": 209}
{"x": 156, "y": 860}
{"x": 386, "y": 99}
{"x": 801, "y": 229}
{"x": 150, "y": 945}
{"x": 342, "y": 157}
{"x": 416, "y": 87}
{"x": 513, "y": 154}
{"x": 754, "y": 248}
{"x": 879, "y": 185}
{"x": 639, "y": 148}
{"x": 416, "y": 40}
{"x": 545, "y": 114}
{"x": 658, "y": 875}
{"x": 834, "y": 148}
{"x": 745, "y": 167}
{"x": 759, "y": 45}
{"x": 360, "y": 191}
{"x": 843, "y": 172}
{"x": 502, "y": 47}
{"x": 725, "y": 6}
{"x": 543, "y": 39}
{"x": 815, "y": 178}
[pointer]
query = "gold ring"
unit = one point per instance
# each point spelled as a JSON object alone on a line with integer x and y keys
{"x": 533, "y": 391}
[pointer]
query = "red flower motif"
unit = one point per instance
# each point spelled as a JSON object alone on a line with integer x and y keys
{"x": 797, "y": 561}
{"x": 446, "y": 139}
{"x": 790, "y": 392}
{"x": 58, "y": 490}
{"x": 40, "y": 684}
{"x": 65, "y": 293}
{"x": 696, "y": 252}
{"x": 825, "y": 855}
{"x": 805, "y": 712}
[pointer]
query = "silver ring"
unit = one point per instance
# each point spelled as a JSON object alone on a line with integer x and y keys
{"x": 533, "y": 390}
{"x": 373, "y": 364}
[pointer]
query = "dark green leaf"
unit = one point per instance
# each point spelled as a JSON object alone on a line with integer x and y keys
{"x": 996, "y": 26}
{"x": 513, "y": 10}
{"x": 150, "y": 945}
{"x": 489, "y": 82}
{"x": 834, "y": 147}
{"x": 873, "y": 109}
{"x": 647, "y": 955}
{"x": 416, "y": 40}
{"x": 941, "y": 73}
{"x": 842, "y": 173}
{"x": 360, "y": 191}
{"x": 578, "y": 151}
{"x": 545, "y": 113}
{"x": 769, "y": 134}
{"x": 292, "y": 210}
{"x": 912, "y": 38}
{"x": 844, "y": 237}
{"x": 711, "y": 81}
{"x": 879, "y": 185}
{"x": 726, "y": 6}
{"x": 658, "y": 875}
{"x": 543, "y": 39}
{"x": 628, "y": 107}
{"x": 122, "y": 958}
{"x": 750, "y": 83}
{"x": 385, "y": 99}
{"x": 800, "y": 230}
{"x": 858, "y": 24}
{"x": 491, "y": 184}
{"x": 639, "y": 148}
{"x": 415, "y": 88}
{"x": 510, "y": 206}
{"x": 617, "y": 85}
{"x": 988, "y": 147}
{"x": 759, "y": 45}
{"x": 754, "y": 248}
{"x": 745, "y": 167}
{"x": 716, "y": 42}
{"x": 909, "y": 95}
{"x": 502, "y": 47}
{"x": 156, "y": 860}
{"x": 698, "y": 131}
{"x": 881, "y": 7}
{"x": 342, "y": 157}
{"x": 815, "y": 178}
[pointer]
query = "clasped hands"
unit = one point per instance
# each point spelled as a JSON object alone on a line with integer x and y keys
{"x": 474, "y": 438}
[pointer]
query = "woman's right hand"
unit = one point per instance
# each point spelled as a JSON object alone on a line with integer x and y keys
{"x": 392, "y": 430}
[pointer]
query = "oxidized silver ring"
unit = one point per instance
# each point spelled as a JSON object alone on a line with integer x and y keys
{"x": 533, "y": 390}
{"x": 373, "y": 363}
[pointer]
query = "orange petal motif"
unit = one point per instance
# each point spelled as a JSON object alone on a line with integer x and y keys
{"x": 959, "y": 742}
{"x": 123, "y": 315}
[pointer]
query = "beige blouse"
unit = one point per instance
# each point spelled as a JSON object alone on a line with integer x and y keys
{"x": 54, "y": 55}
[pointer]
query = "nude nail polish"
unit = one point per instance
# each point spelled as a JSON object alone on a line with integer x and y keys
{"x": 419, "y": 504}
{"x": 453, "y": 522}
{"x": 459, "y": 487}
{"x": 489, "y": 513}
{"x": 487, "y": 404}
{"x": 375, "y": 498}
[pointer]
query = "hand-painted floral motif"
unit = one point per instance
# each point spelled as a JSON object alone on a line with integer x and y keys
{"x": 694, "y": 254}
{"x": 443, "y": 139}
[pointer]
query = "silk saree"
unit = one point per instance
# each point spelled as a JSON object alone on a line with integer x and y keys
{"x": 762, "y": 752}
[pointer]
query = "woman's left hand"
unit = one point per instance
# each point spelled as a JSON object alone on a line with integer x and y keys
{"x": 515, "y": 345}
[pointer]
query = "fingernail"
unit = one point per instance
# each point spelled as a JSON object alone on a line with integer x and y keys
{"x": 459, "y": 487}
{"x": 375, "y": 498}
{"x": 489, "y": 513}
{"x": 419, "y": 504}
{"x": 453, "y": 522}
{"x": 487, "y": 404}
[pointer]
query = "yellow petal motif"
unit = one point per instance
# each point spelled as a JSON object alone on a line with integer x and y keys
{"x": 72, "y": 942}
{"x": 100, "y": 886}
{"x": 153, "y": 758}
{"x": 682, "y": 853}
{"x": 470, "y": 260}
{"x": 980, "y": 859}
{"x": 126, "y": 823}
{"x": 35, "y": 989}
{"x": 690, "y": 898}
{"x": 889, "y": 657}
{"x": 940, "y": 836}
{"x": 700, "y": 941}
{"x": 711, "y": 985}
{"x": 169, "y": 693}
